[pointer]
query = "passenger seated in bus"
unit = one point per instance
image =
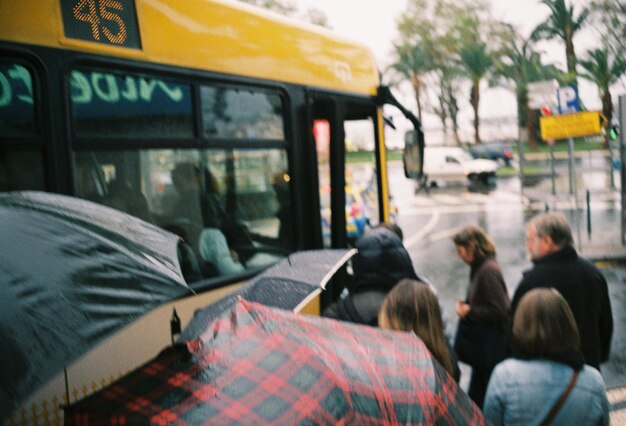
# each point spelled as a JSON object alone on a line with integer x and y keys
{"x": 187, "y": 258}
{"x": 215, "y": 251}
{"x": 89, "y": 181}
{"x": 199, "y": 205}
{"x": 194, "y": 206}
{"x": 285, "y": 219}
{"x": 122, "y": 196}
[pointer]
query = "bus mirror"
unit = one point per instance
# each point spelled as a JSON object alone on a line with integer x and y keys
{"x": 412, "y": 156}
{"x": 410, "y": 138}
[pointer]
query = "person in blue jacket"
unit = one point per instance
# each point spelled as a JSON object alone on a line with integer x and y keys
{"x": 524, "y": 390}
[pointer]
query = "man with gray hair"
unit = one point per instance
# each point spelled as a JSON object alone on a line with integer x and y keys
{"x": 557, "y": 264}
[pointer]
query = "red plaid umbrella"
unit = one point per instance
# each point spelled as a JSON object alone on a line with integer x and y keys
{"x": 258, "y": 365}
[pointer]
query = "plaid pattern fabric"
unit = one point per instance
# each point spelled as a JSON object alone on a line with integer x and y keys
{"x": 263, "y": 366}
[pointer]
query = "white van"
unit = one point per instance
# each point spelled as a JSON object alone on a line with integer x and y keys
{"x": 454, "y": 164}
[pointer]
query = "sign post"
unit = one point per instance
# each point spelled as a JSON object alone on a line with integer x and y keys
{"x": 622, "y": 150}
{"x": 569, "y": 126}
{"x": 541, "y": 94}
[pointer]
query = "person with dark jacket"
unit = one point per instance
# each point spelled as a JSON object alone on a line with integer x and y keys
{"x": 381, "y": 261}
{"x": 483, "y": 314}
{"x": 557, "y": 264}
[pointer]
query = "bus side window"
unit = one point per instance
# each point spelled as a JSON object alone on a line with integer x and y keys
{"x": 89, "y": 181}
{"x": 122, "y": 196}
{"x": 21, "y": 170}
{"x": 21, "y": 159}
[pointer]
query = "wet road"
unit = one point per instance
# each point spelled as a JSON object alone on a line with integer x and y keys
{"x": 429, "y": 221}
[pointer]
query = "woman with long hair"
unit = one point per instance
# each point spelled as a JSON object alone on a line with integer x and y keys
{"x": 484, "y": 313}
{"x": 546, "y": 382}
{"x": 412, "y": 306}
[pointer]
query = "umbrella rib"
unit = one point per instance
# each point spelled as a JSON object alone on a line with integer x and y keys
{"x": 335, "y": 268}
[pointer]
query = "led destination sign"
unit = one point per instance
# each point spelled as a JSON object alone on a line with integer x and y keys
{"x": 112, "y": 22}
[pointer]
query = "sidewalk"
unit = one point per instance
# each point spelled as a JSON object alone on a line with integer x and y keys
{"x": 617, "y": 405}
{"x": 604, "y": 243}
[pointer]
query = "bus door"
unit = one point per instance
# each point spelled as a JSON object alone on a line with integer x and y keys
{"x": 345, "y": 135}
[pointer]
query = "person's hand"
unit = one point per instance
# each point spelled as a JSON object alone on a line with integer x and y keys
{"x": 462, "y": 309}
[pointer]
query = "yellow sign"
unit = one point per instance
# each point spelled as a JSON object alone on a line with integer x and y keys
{"x": 586, "y": 123}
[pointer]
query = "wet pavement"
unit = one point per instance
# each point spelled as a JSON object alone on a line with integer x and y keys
{"x": 503, "y": 213}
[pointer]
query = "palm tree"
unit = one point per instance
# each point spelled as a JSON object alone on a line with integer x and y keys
{"x": 413, "y": 61}
{"x": 563, "y": 24}
{"x": 521, "y": 64}
{"x": 603, "y": 69}
{"x": 476, "y": 61}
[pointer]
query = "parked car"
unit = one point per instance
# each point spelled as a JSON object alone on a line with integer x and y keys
{"x": 496, "y": 150}
{"x": 454, "y": 164}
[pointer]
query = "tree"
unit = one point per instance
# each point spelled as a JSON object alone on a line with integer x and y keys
{"x": 440, "y": 26}
{"x": 603, "y": 68}
{"x": 562, "y": 23}
{"x": 288, "y": 8}
{"x": 519, "y": 64}
{"x": 317, "y": 17}
{"x": 412, "y": 62}
{"x": 477, "y": 61}
{"x": 609, "y": 18}
{"x": 283, "y": 7}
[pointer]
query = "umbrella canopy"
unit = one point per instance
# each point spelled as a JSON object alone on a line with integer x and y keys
{"x": 289, "y": 284}
{"x": 72, "y": 272}
{"x": 260, "y": 365}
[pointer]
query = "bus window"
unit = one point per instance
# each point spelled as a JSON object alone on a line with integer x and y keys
{"x": 361, "y": 200}
{"x": 17, "y": 110}
{"x": 255, "y": 188}
{"x": 240, "y": 197}
{"x": 321, "y": 134}
{"x": 21, "y": 170}
{"x": 241, "y": 113}
{"x": 107, "y": 105}
{"x": 362, "y": 209}
{"x": 21, "y": 160}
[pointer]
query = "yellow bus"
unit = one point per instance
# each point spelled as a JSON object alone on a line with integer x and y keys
{"x": 191, "y": 114}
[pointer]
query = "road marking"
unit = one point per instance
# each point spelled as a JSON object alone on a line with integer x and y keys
{"x": 421, "y": 200}
{"x": 446, "y": 233}
{"x": 447, "y": 199}
{"x": 476, "y": 197}
{"x": 496, "y": 202}
{"x": 424, "y": 231}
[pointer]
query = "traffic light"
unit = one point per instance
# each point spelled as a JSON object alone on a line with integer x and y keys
{"x": 614, "y": 132}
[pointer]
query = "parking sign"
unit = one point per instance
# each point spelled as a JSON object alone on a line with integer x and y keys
{"x": 567, "y": 97}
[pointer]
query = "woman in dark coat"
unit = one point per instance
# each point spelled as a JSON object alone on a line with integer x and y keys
{"x": 483, "y": 315}
{"x": 381, "y": 261}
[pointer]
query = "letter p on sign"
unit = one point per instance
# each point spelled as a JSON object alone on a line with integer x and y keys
{"x": 568, "y": 99}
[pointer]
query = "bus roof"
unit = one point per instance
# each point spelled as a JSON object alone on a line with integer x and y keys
{"x": 215, "y": 35}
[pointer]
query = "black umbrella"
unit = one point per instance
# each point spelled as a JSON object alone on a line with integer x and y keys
{"x": 289, "y": 284}
{"x": 72, "y": 273}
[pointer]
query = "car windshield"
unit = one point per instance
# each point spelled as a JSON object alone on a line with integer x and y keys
{"x": 463, "y": 156}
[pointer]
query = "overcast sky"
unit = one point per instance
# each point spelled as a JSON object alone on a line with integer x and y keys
{"x": 373, "y": 23}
